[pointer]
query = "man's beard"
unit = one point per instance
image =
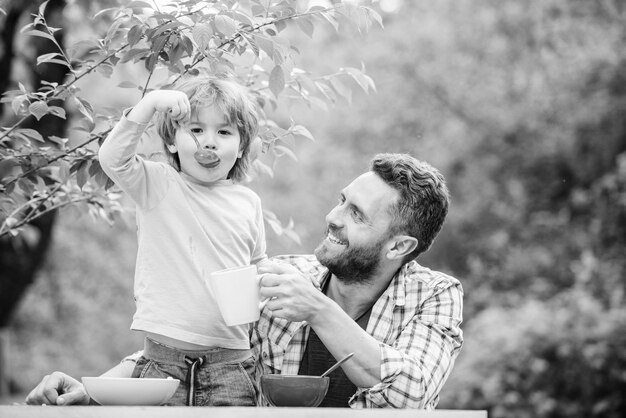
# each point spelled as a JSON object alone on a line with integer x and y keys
{"x": 354, "y": 265}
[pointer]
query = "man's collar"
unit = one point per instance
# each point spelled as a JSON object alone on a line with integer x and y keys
{"x": 396, "y": 289}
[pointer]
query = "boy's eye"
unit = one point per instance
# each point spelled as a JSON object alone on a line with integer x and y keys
{"x": 224, "y": 132}
{"x": 196, "y": 130}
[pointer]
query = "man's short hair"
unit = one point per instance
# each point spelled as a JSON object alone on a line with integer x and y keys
{"x": 424, "y": 198}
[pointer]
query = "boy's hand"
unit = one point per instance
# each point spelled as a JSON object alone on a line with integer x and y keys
{"x": 174, "y": 102}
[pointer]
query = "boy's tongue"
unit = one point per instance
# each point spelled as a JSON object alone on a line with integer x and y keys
{"x": 206, "y": 158}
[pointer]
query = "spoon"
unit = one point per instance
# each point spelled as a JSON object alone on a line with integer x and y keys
{"x": 339, "y": 363}
{"x": 204, "y": 157}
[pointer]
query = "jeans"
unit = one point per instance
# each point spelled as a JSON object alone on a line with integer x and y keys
{"x": 216, "y": 377}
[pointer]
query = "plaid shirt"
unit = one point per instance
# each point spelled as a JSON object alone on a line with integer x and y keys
{"x": 416, "y": 321}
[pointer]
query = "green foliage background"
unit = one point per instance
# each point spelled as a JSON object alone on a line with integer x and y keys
{"x": 522, "y": 106}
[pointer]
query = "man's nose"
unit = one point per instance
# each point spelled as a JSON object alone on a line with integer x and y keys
{"x": 334, "y": 217}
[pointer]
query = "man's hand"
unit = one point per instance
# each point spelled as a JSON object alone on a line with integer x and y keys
{"x": 58, "y": 389}
{"x": 291, "y": 294}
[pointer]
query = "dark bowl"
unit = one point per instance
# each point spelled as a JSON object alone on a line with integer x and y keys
{"x": 294, "y": 390}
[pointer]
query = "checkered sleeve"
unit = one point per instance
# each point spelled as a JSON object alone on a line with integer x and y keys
{"x": 415, "y": 367}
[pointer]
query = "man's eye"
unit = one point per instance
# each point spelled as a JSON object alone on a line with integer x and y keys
{"x": 356, "y": 215}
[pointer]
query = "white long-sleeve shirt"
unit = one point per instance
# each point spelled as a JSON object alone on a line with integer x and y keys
{"x": 186, "y": 230}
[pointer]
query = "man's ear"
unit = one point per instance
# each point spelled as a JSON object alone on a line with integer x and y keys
{"x": 401, "y": 246}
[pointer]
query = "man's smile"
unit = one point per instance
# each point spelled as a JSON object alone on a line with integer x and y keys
{"x": 335, "y": 240}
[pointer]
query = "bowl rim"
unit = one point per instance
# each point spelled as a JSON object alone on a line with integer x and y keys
{"x": 292, "y": 376}
{"x": 125, "y": 379}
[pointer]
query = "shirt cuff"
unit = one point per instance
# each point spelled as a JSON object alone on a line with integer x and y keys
{"x": 391, "y": 361}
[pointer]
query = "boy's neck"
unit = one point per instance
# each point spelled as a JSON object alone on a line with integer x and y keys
{"x": 205, "y": 183}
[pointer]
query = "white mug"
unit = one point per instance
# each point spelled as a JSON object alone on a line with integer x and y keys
{"x": 237, "y": 294}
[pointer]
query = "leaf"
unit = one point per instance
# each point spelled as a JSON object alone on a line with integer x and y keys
{"x": 27, "y": 186}
{"x": 104, "y": 11}
{"x": 48, "y": 57}
{"x": 202, "y": 34}
{"x": 60, "y": 62}
{"x": 135, "y": 54}
{"x": 96, "y": 172}
{"x": 64, "y": 170}
{"x": 110, "y": 183}
{"x": 282, "y": 151}
{"x": 319, "y": 103}
{"x": 139, "y": 4}
{"x": 134, "y": 35}
{"x": 277, "y": 80}
{"x": 327, "y": 91}
{"x": 84, "y": 107}
{"x": 18, "y": 104}
{"x": 373, "y": 14}
{"x": 299, "y": 130}
{"x": 250, "y": 40}
{"x": 81, "y": 174}
{"x": 30, "y": 134}
{"x": 332, "y": 20}
{"x": 57, "y": 111}
{"x": 341, "y": 88}
{"x": 38, "y": 109}
{"x": 242, "y": 18}
{"x": 7, "y": 164}
{"x": 40, "y": 34}
{"x": 364, "y": 81}
{"x": 265, "y": 44}
{"x": 62, "y": 142}
{"x": 166, "y": 27}
{"x": 280, "y": 25}
{"x": 306, "y": 26}
{"x": 42, "y": 7}
{"x": 226, "y": 25}
{"x": 127, "y": 85}
{"x": 105, "y": 69}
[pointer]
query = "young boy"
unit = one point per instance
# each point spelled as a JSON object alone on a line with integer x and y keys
{"x": 193, "y": 218}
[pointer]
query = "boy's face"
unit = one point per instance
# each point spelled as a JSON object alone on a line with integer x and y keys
{"x": 214, "y": 133}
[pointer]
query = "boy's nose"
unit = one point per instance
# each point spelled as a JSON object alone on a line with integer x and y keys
{"x": 208, "y": 142}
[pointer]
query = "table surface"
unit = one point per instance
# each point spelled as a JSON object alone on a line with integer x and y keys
{"x": 23, "y": 411}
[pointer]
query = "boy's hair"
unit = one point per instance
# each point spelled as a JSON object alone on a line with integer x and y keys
{"x": 228, "y": 96}
{"x": 424, "y": 197}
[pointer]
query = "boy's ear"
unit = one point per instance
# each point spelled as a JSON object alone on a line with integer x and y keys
{"x": 172, "y": 148}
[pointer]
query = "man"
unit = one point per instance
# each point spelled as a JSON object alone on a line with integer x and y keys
{"x": 401, "y": 320}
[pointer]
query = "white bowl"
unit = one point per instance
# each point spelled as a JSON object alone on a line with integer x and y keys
{"x": 129, "y": 391}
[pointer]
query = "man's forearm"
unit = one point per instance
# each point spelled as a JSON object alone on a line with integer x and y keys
{"x": 342, "y": 335}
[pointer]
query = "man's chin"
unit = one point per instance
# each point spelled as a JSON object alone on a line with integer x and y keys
{"x": 322, "y": 252}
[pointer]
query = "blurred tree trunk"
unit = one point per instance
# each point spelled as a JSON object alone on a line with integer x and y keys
{"x": 21, "y": 256}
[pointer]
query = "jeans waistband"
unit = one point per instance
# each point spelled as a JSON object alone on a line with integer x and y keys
{"x": 165, "y": 354}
